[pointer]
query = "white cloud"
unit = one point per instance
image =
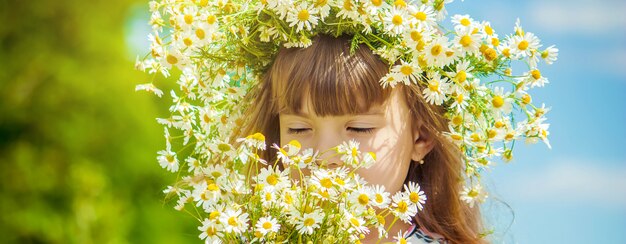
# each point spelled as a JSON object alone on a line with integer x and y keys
{"x": 588, "y": 17}
{"x": 575, "y": 180}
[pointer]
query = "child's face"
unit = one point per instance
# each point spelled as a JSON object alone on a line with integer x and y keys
{"x": 385, "y": 130}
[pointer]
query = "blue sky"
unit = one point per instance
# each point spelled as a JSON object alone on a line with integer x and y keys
{"x": 576, "y": 191}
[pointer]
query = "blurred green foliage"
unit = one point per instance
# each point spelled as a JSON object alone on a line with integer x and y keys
{"x": 77, "y": 143}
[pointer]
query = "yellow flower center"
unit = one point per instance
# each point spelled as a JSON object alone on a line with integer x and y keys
{"x": 211, "y": 231}
{"x": 188, "y": 18}
{"x": 491, "y": 133}
{"x": 433, "y": 86}
{"x": 499, "y": 124}
{"x": 396, "y": 20}
{"x": 347, "y": 4}
{"x": 214, "y": 215}
{"x": 212, "y": 187}
{"x": 200, "y": 34}
{"x": 459, "y": 98}
{"x": 321, "y": 3}
{"x": 171, "y": 59}
{"x": 309, "y": 222}
{"x": 522, "y": 45}
{"x": 267, "y": 225}
{"x": 461, "y": 76}
{"x": 495, "y": 41}
{"x": 232, "y": 221}
{"x": 355, "y": 222}
{"x": 465, "y": 22}
{"x": 402, "y": 207}
{"x": 414, "y": 197}
{"x": 406, "y": 70}
{"x": 379, "y": 198}
{"x": 465, "y": 41}
{"x": 506, "y": 52}
{"x": 488, "y": 30}
{"x": 354, "y": 152}
{"x": 456, "y": 137}
{"x": 211, "y": 19}
{"x": 339, "y": 181}
{"x": 327, "y": 183}
{"x": 416, "y": 35}
{"x": 400, "y": 3}
{"x": 420, "y": 16}
{"x": 363, "y": 199}
{"x": 526, "y": 99}
{"x": 497, "y": 101}
{"x": 303, "y": 15}
{"x": 472, "y": 193}
{"x": 536, "y": 74}
{"x": 377, "y": 3}
{"x": 187, "y": 41}
{"x": 457, "y": 120}
{"x": 436, "y": 50}
{"x": 272, "y": 179}
{"x": 490, "y": 54}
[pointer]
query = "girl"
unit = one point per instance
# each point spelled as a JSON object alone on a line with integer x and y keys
{"x": 322, "y": 95}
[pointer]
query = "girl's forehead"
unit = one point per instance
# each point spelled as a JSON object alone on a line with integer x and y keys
{"x": 308, "y": 106}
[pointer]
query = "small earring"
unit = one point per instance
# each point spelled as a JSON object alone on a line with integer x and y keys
{"x": 421, "y": 161}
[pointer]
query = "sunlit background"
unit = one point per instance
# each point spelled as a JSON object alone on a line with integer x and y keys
{"x": 78, "y": 145}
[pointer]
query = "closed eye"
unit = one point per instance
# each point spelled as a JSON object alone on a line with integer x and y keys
{"x": 297, "y": 130}
{"x": 361, "y": 130}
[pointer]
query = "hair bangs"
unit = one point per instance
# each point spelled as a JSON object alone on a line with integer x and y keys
{"x": 328, "y": 77}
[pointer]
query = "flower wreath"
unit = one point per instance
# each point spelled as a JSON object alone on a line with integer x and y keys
{"x": 223, "y": 47}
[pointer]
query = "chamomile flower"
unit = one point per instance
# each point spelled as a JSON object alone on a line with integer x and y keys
{"x": 501, "y": 101}
{"x": 302, "y": 16}
{"x": 349, "y": 152}
{"x": 535, "y": 79}
{"x": 467, "y": 41}
{"x": 523, "y": 45}
{"x": 436, "y": 52}
{"x": 380, "y": 198}
{"x": 234, "y": 221}
{"x": 357, "y": 224}
{"x": 256, "y": 140}
{"x": 423, "y": 16}
{"x": 306, "y": 224}
{"x": 463, "y": 23}
{"x": 396, "y": 21}
{"x": 408, "y": 72}
{"x": 267, "y": 224}
{"x": 368, "y": 160}
{"x": 416, "y": 196}
{"x": 168, "y": 160}
{"x": 473, "y": 195}
{"x": 435, "y": 92}
{"x": 361, "y": 198}
{"x": 210, "y": 231}
{"x": 374, "y": 7}
{"x": 273, "y": 179}
{"x": 400, "y": 238}
{"x": 550, "y": 54}
{"x": 402, "y": 207}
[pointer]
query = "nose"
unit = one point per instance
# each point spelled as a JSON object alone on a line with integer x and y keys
{"x": 326, "y": 139}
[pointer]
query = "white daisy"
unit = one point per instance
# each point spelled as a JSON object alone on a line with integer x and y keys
{"x": 467, "y": 42}
{"x": 423, "y": 16}
{"x": 396, "y": 21}
{"x": 436, "y": 91}
{"x": 303, "y": 16}
{"x": 349, "y": 152}
{"x": 357, "y": 224}
{"x": 463, "y": 23}
{"x": 309, "y": 222}
{"x": 501, "y": 101}
{"x": 234, "y": 221}
{"x": 402, "y": 207}
{"x": 436, "y": 52}
{"x": 267, "y": 224}
{"x": 408, "y": 72}
{"x": 168, "y": 160}
{"x": 523, "y": 45}
{"x": 210, "y": 231}
{"x": 416, "y": 196}
{"x": 273, "y": 179}
{"x": 473, "y": 195}
{"x": 380, "y": 198}
{"x": 550, "y": 54}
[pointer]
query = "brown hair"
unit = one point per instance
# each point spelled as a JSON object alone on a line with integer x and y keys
{"x": 339, "y": 83}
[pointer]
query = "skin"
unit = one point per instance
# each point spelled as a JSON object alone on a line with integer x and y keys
{"x": 385, "y": 129}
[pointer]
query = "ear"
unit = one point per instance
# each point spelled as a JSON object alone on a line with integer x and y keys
{"x": 423, "y": 143}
